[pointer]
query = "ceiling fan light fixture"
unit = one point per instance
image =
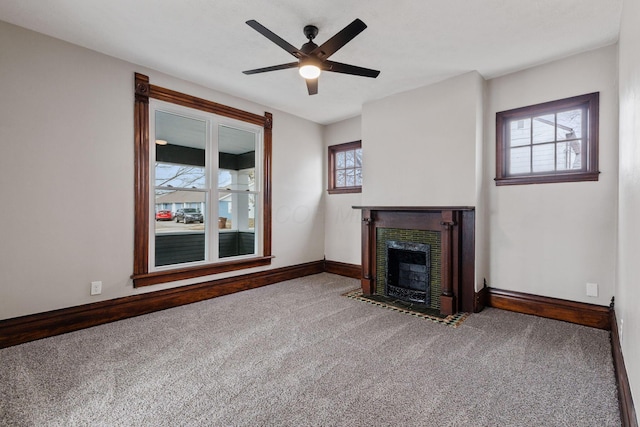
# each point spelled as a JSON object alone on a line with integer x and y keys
{"x": 309, "y": 71}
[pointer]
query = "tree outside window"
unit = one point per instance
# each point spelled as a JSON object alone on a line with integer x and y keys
{"x": 345, "y": 168}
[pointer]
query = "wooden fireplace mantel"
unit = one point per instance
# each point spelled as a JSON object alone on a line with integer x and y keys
{"x": 416, "y": 208}
{"x": 456, "y": 225}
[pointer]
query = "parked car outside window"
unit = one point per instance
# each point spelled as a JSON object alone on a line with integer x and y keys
{"x": 188, "y": 215}
{"x": 164, "y": 215}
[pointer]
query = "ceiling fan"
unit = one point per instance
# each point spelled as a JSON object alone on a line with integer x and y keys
{"x": 312, "y": 59}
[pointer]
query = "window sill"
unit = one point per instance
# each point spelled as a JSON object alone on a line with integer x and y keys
{"x": 156, "y": 277}
{"x": 545, "y": 179}
{"x": 344, "y": 190}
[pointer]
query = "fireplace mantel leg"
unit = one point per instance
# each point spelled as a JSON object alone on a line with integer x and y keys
{"x": 368, "y": 285}
{"x": 447, "y": 298}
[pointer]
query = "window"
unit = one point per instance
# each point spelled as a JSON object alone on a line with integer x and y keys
{"x": 345, "y": 168}
{"x": 552, "y": 142}
{"x": 203, "y": 200}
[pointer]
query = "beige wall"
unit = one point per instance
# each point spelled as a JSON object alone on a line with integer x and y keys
{"x": 551, "y": 239}
{"x": 66, "y": 175}
{"x": 342, "y": 222}
{"x": 421, "y": 145}
{"x": 628, "y": 289}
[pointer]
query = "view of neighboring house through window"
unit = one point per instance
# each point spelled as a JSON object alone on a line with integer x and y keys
{"x": 345, "y": 168}
{"x": 203, "y": 177}
{"x": 552, "y": 142}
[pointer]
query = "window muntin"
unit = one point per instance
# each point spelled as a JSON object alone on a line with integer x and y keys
{"x": 200, "y": 157}
{"x": 552, "y": 142}
{"x": 345, "y": 168}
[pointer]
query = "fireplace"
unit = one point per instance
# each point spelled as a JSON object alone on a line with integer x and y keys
{"x": 423, "y": 255}
{"x": 408, "y": 268}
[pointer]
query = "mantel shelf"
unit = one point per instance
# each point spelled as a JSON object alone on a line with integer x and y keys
{"x": 416, "y": 208}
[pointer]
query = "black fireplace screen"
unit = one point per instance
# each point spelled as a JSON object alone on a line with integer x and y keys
{"x": 408, "y": 275}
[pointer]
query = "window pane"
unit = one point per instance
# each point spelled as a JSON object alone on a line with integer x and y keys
{"x": 236, "y": 159}
{"x": 248, "y": 178}
{"x": 175, "y": 130}
{"x": 359, "y": 177}
{"x": 225, "y": 213}
{"x": 359, "y": 157}
{"x": 340, "y": 160}
{"x": 544, "y": 128}
{"x": 568, "y": 155}
{"x": 520, "y": 132}
{"x": 520, "y": 160}
{"x": 236, "y": 224}
{"x": 569, "y": 125}
{"x": 180, "y": 233}
{"x": 340, "y": 178}
{"x": 225, "y": 179}
{"x": 543, "y": 158}
{"x": 253, "y": 211}
{"x": 351, "y": 178}
{"x": 180, "y": 151}
{"x": 350, "y": 158}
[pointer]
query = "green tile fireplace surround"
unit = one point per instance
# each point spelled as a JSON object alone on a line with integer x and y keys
{"x": 431, "y": 238}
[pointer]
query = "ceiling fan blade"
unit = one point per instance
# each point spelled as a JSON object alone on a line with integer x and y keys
{"x": 312, "y": 86}
{"x": 275, "y": 38}
{"x": 343, "y": 37}
{"x": 272, "y": 68}
{"x": 338, "y": 67}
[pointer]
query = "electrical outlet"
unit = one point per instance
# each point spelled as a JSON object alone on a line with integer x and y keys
{"x": 96, "y": 288}
{"x": 592, "y": 289}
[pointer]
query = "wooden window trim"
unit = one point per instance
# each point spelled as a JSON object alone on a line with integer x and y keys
{"x": 589, "y": 173}
{"x": 331, "y": 185}
{"x": 141, "y": 275}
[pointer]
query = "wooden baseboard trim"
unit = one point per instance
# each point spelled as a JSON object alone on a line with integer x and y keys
{"x": 36, "y": 326}
{"x": 343, "y": 269}
{"x": 482, "y": 296}
{"x": 596, "y": 316}
{"x": 625, "y": 400}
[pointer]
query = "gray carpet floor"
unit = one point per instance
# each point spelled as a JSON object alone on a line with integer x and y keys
{"x": 297, "y": 353}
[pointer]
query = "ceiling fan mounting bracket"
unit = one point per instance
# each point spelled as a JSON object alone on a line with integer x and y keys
{"x": 310, "y": 32}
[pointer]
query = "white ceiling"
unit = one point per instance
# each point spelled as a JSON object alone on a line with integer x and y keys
{"x": 412, "y": 42}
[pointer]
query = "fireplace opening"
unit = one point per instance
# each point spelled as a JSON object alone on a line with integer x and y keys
{"x": 408, "y": 271}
